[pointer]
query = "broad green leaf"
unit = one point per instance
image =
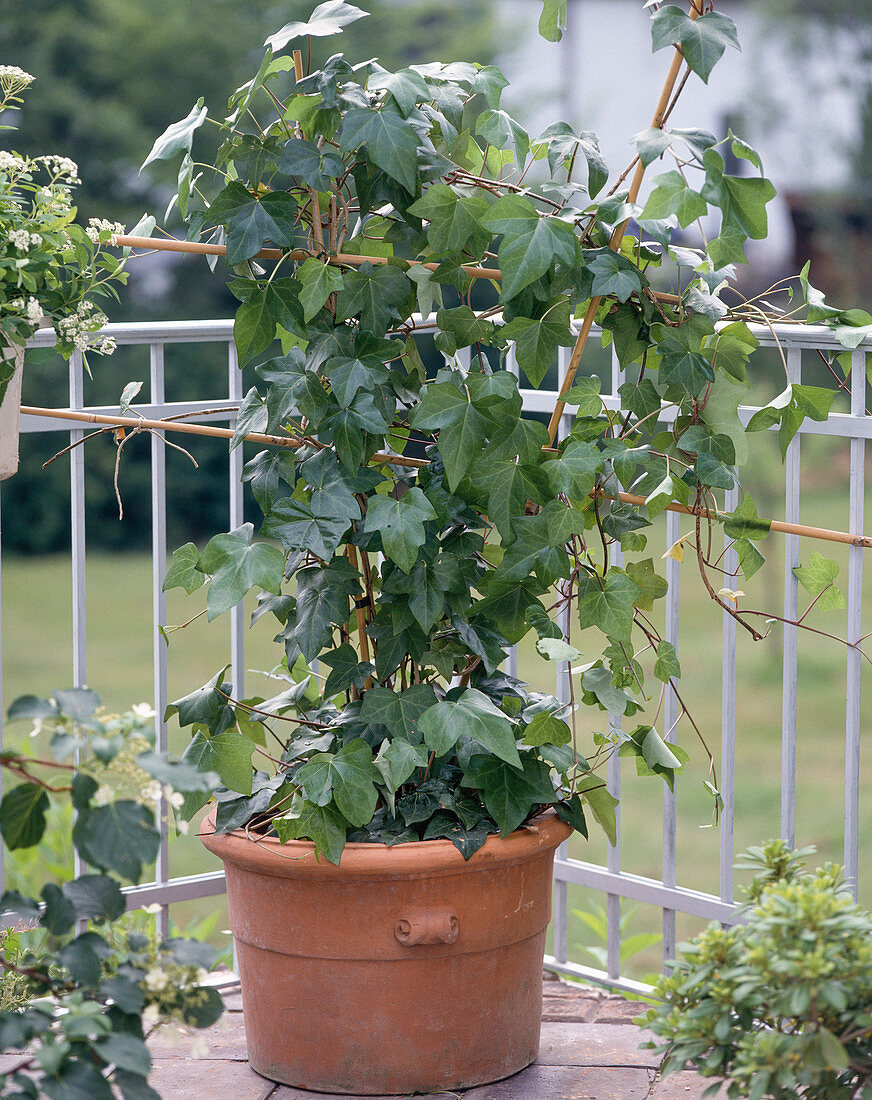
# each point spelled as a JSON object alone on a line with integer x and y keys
{"x": 177, "y": 137}
{"x": 474, "y": 715}
{"x": 295, "y": 525}
{"x": 745, "y": 522}
{"x": 354, "y": 777}
{"x": 530, "y": 243}
{"x": 564, "y": 147}
{"x": 323, "y": 825}
{"x": 510, "y": 793}
{"x": 392, "y": 144}
{"x": 398, "y": 713}
{"x": 327, "y": 19}
{"x": 400, "y": 524}
{"x": 598, "y": 681}
{"x": 597, "y": 796}
{"x": 316, "y": 167}
{"x": 545, "y": 729}
{"x": 574, "y": 472}
{"x": 207, "y": 706}
{"x": 651, "y": 144}
{"x": 406, "y": 86}
{"x": 556, "y": 649}
{"x": 346, "y": 669}
{"x": 228, "y": 754}
{"x": 268, "y": 306}
{"x": 750, "y": 558}
{"x": 671, "y": 195}
{"x": 317, "y": 282}
{"x": 552, "y": 21}
{"x": 818, "y": 579}
{"x": 790, "y": 408}
{"x": 252, "y": 220}
{"x": 402, "y": 759}
{"x": 702, "y": 41}
{"x": 462, "y": 428}
{"x": 742, "y": 199}
{"x": 236, "y": 566}
{"x": 615, "y": 274}
{"x": 120, "y": 837}
{"x": 22, "y": 815}
{"x": 320, "y": 607}
{"x": 94, "y": 897}
{"x": 126, "y": 1052}
{"x": 536, "y": 341}
{"x": 509, "y": 486}
{"x": 375, "y": 293}
{"x": 608, "y": 603}
{"x": 453, "y": 217}
{"x": 666, "y": 664}
{"x": 498, "y": 128}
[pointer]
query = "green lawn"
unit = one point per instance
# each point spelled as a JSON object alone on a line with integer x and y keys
{"x": 38, "y": 657}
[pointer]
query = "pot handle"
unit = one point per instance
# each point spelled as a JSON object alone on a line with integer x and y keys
{"x": 419, "y": 927}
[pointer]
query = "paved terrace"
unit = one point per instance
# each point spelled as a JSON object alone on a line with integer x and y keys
{"x": 589, "y": 1051}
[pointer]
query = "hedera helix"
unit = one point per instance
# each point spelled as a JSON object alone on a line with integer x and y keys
{"x": 420, "y": 524}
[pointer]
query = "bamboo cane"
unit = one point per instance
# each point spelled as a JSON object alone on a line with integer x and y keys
{"x": 823, "y": 533}
{"x": 617, "y": 237}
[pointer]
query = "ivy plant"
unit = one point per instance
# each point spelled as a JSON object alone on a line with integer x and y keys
{"x": 778, "y": 1006}
{"x": 80, "y": 992}
{"x": 415, "y": 522}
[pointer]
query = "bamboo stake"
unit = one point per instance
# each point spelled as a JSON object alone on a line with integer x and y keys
{"x": 617, "y": 237}
{"x": 198, "y": 429}
{"x": 823, "y": 533}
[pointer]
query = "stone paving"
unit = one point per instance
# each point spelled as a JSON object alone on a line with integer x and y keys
{"x": 589, "y": 1051}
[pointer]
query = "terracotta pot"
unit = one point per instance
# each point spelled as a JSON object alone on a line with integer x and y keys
{"x": 10, "y": 408}
{"x": 404, "y": 969}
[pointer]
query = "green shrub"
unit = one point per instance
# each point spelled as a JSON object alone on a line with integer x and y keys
{"x": 781, "y": 1005}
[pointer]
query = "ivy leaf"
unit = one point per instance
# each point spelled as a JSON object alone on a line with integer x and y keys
{"x": 545, "y": 729}
{"x": 462, "y": 428}
{"x": 603, "y": 804}
{"x": 315, "y": 167}
{"x": 354, "y": 777}
{"x": 402, "y": 759}
{"x": 742, "y": 199}
{"x": 317, "y": 281}
{"x": 745, "y": 522}
{"x": 615, "y": 274}
{"x": 398, "y": 713}
{"x": 268, "y": 306}
{"x": 94, "y": 897}
{"x": 790, "y": 408}
{"x": 391, "y": 142}
{"x": 320, "y": 606}
{"x": 702, "y": 41}
{"x": 671, "y": 195}
{"x": 651, "y": 585}
{"x": 177, "y": 137}
{"x": 345, "y": 670}
{"x": 510, "y": 793}
{"x": 564, "y": 146}
{"x": 252, "y": 220}
{"x": 819, "y": 577}
{"x": 327, "y": 19}
{"x": 375, "y": 294}
{"x": 651, "y": 144}
{"x": 237, "y": 566}
{"x": 406, "y": 86}
{"x": 598, "y": 682}
{"x": 552, "y": 21}
{"x": 653, "y": 755}
{"x": 400, "y": 524}
{"x": 574, "y": 472}
{"x": 666, "y": 664}
{"x": 228, "y": 754}
{"x": 472, "y": 715}
{"x": 183, "y": 573}
{"x": 498, "y": 129}
{"x": 608, "y": 603}
{"x": 509, "y": 486}
{"x": 536, "y": 341}
{"x": 453, "y": 217}
{"x": 530, "y": 243}
{"x": 323, "y": 825}
{"x": 750, "y": 558}
{"x": 22, "y": 816}
{"x": 299, "y": 528}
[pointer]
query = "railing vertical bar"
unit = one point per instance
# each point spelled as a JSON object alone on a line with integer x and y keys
{"x": 728, "y": 721}
{"x": 237, "y": 614}
{"x": 77, "y": 541}
{"x": 670, "y": 716}
{"x": 792, "y": 468}
{"x": 854, "y": 627}
{"x": 512, "y": 660}
{"x": 613, "y": 855}
{"x": 561, "y": 888}
{"x": 159, "y": 614}
{"x": 2, "y": 706}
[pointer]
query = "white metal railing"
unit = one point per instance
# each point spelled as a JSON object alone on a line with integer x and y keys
{"x": 665, "y": 893}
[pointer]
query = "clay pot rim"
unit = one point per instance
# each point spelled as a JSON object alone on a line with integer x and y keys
{"x": 373, "y": 859}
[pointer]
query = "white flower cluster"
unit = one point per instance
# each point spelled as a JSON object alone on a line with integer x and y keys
{"x": 96, "y": 226}
{"x": 80, "y": 326}
{"x": 30, "y": 309}
{"x": 23, "y": 240}
{"x": 61, "y": 166}
{"x": 13, "y": 79}
{"x": 11, "y": 162}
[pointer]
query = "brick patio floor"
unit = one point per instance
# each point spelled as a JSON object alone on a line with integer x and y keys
{"x": 589, "y": 1051}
